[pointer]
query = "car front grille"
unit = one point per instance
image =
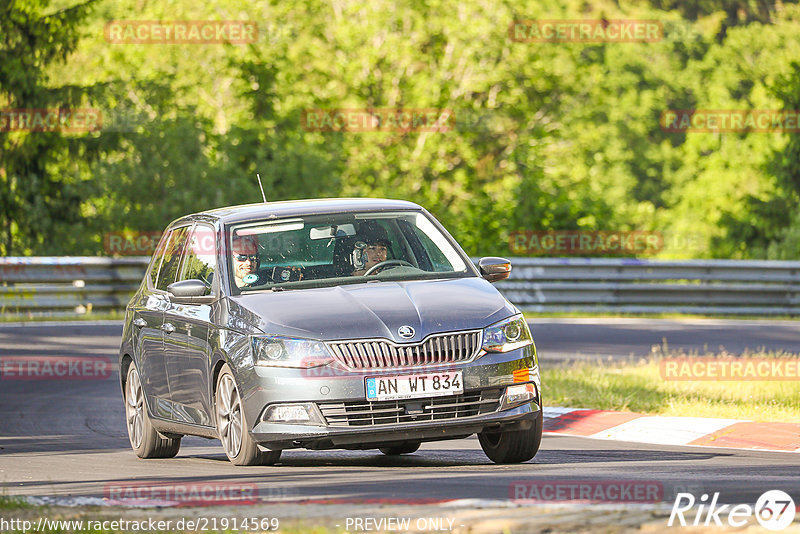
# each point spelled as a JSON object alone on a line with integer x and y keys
{"x": 374, "y": 413}
{"x": 454, "y": 347}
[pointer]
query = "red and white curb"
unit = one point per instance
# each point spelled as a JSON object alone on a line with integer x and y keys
{"x": 662, "y": 430}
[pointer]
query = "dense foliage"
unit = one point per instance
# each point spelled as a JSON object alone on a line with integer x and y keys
{"x": 546, "y": 135}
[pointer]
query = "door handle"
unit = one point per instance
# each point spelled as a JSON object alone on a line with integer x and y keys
{"x": 141, "y": 323}
{"x": 168, "y": 328}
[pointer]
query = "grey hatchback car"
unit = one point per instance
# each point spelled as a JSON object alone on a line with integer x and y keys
{"x": 320, "y": 324}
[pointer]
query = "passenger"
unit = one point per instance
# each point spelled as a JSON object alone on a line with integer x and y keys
{"x": 245, "y": 261}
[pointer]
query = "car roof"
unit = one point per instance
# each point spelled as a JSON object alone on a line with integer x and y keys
{"x": 297, "y": 208}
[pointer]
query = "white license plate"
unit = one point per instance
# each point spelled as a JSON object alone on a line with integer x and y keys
{"x": 381, "y": 388}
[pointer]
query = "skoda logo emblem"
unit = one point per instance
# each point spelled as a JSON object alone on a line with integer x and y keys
{"x": 406, "y": 332}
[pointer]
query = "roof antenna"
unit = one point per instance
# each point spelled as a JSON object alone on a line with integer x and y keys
{"x": 262, "y": 188}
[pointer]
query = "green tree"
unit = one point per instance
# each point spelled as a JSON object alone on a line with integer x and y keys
{"x": 786, "y": 168}
{"x": 41, "y": 181}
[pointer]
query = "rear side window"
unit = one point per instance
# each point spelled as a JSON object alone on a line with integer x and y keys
{"x": 172, "y": 258}
{"x": 200, "y": 258}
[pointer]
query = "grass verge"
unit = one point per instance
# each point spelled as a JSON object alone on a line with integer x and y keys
{"x": 9, "y": 503}
{"x": 102, "y": 316}
{"x": 638, "y": 386}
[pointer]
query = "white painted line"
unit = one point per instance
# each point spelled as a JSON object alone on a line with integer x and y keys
{"x": 142, "y": 503}
{"x": 480, "y": 503}
{"x": 663, "y": 430}
{"x": 565, "y": 505}
{"x": 53, "y": 500}
{"x": 556, "y": 411}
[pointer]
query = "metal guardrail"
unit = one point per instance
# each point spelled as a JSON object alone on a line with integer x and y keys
{"x": 50, "y": 286}
{"x": 63, "y": 286}
{"x": 654, "y": 286}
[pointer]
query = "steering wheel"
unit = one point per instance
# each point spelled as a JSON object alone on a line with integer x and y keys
{"x": 386, "y": 263}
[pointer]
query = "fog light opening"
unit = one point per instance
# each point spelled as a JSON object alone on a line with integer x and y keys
{"x": 289, "y": 413}
{"x": 518, "y": 394}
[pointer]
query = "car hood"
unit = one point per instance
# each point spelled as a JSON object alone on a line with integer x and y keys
{"x": 376, "y": 309}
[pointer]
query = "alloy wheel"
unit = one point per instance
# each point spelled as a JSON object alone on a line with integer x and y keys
{"x": 229, "y": 416}
{"x": 134, "y": 409}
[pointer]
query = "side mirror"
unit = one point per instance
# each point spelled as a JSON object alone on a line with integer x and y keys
{"x": 189, "y": 292}
{"x": 494, "y": 269}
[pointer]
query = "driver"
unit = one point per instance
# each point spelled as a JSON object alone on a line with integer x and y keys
{"x": 370, "y": 250}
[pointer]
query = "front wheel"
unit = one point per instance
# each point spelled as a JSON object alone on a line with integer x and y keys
{"x": 240, "y": 448}
{"x": 512, "y": 446}
{"x": 145, "y": 440}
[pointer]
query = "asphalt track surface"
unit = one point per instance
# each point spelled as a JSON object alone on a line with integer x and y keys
{"x": 67, "y": 438}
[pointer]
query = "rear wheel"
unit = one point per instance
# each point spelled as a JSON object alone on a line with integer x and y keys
{"x": 512, "y": 447}
{"x": 145, "y": 440}
{"x": 405, "y": 448}
{"x": 240, "y": 448}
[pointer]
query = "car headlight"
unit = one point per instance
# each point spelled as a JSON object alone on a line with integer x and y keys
{"x": 508, "y": 334}
{"x": 278, "y": 351}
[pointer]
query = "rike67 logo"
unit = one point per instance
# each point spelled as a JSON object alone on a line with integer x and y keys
{"x": 774, "y": 510}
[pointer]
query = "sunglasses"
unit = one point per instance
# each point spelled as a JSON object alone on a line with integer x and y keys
{"x": 246, "y": 257}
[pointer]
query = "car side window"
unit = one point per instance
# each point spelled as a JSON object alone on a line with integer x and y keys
{"x": 200, "y": 257}
{"x": 158, "y": 255}
{"x": 172, "y": 258}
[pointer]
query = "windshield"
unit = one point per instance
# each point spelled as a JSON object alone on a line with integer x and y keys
{"x": 335, "y": 249}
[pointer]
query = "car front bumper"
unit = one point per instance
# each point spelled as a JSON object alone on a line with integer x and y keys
{"x": 287, "y": 436}
{"x": 321, "y": 387}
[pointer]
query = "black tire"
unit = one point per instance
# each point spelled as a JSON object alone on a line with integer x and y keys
{"x": 145, "y": 440}
{"x": 512, "y": 447}
{"x": 239, "y": 446}
{"x": 405, "y": 448}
